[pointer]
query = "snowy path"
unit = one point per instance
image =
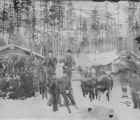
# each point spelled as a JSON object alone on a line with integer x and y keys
{"x": 36, "y": 108}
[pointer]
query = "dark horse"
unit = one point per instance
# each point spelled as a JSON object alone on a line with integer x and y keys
{"x": 94, "y": 87}
{"x": 104, "y": 85}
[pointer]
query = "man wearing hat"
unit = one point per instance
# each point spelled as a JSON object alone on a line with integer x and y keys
{"x": 68, "y": 65}
{"x": 50, "y": 63}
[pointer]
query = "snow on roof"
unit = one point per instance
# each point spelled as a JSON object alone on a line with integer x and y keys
{"x": 13, "y": 46}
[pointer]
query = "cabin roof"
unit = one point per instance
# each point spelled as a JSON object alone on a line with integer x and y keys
{"x": 17, "y": 50}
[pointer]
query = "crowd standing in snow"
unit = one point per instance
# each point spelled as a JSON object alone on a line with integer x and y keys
{"x": 55, "y": 77}
{"x": 58, "y": 84}
{"x": 16, "y": 83}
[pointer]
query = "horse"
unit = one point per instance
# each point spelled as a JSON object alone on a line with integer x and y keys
{"x": 95, "y": 85}
{"x": 104, "y": 84}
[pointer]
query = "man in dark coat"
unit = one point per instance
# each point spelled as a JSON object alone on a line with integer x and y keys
{"x": 55, "y": 93}
{"x": 68, "y": 65}
{"x": 50, "y": 63}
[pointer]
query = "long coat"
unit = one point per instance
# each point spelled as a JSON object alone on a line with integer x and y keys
{"x": 50, "y": 63}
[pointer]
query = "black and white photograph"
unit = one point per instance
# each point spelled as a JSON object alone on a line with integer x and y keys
{"x": 69, "y": 59}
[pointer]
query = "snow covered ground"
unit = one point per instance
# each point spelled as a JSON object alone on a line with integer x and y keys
{"x": 36, "y": 108}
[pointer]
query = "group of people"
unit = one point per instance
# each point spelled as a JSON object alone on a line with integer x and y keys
{"x": 56, "y": 86}
{"x": 16, "y": 85}
{"x": 94, "y": 85}
{"x": 125, "y": 71}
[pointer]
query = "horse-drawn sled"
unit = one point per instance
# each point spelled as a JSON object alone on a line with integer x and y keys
{"x": 97, "y": 79}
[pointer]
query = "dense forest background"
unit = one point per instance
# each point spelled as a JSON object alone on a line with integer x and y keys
{"x": 42, "y": 25}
